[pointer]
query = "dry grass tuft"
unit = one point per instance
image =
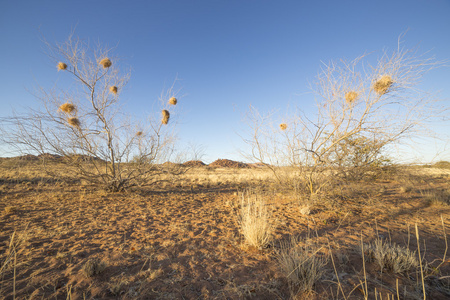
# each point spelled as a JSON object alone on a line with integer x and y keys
{"x": 382, "y": 85}
{"x": 61, "y": 66}
{"x": 67, "y": 108}
{"x": 391, "y": 257}
{"x": 9, "y": 209}
{"x": 173, "y": 101}
{"x": 351, "y": 96}
{"x": 106, "y": 63}
{"x": 300, "y": 265}
{"x": 255, "y": 221}
{"x": 166, "y": 116}
{"x": 113, "y": 89}
{"x": 437, "y": 196}
{"x": 93, "y": 267}
{"x": 73, "y": 121}
{"x": 283, "y": 126}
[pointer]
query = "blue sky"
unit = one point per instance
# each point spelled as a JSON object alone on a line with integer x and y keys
{"x": 227, "y": 54}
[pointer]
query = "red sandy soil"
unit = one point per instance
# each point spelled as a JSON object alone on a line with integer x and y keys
{"x": 186, "y": 244}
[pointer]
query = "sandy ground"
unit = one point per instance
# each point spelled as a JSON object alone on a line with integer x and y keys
{"x": 184, "y": 242}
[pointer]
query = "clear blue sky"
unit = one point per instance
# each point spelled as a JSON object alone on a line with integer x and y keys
{"x": 228, "y": 54}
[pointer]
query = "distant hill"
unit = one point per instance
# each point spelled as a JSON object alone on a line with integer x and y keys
{"x": 194, "y": 163}
{"x": 226, "y": 163}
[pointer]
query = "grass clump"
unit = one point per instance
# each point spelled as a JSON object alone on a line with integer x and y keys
{"x": 391, "y": 257}
{"x": 9, "y": 210}
{"x": 93, "y": 266}
{"x": 300, "y": 265}
{"x": 437, "y": 196}
{"x": 254, "y": 220}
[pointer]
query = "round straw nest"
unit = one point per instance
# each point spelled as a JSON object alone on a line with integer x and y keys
{"x": 382, "y": 85}
{"x": 106, "y": 63}
{"x": 166, "y": 116}
{"x": 173, "y": 101}
{"x": 139, "y": 133}
{"x": 283, "y": 126}
{"x": 61, "y": 66}
{"x": 351, "y": 96}
{"x": 73, "y": 121}
{"x": 67, "y": 108}
{"x": 113, "y": 89}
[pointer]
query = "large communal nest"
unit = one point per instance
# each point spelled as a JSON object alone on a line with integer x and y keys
{"x": 166, "y": 116}
{"x": 173, "y": 101}
{"x": 74, "y": 121}
{"x": 351, "y": 96}
{"x": 113, "y": 89}
{"x": 382, "y": 85}
{"x": 106, "y": 62}
{"x": 68, "y": 108}
{"x": 61, "y": 66}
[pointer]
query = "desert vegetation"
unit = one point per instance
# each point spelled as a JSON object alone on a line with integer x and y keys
{"x": 84, "y": 123}
{"x": 219, "y": 232}
{"x": 100, "y": 208}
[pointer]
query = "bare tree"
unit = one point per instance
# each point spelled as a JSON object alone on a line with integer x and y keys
{"x": 85, "y": 123}
{"x": 361, "y": 110}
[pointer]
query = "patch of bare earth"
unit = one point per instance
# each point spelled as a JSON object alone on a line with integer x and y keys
{"x": 178, "y": 242}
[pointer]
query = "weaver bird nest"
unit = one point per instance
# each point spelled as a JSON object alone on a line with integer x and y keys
{"x": 166, "y": 116}
{"x": 382, "y": 85}
{"x": 61, "y": 66}
{"x": 68, "y": 108}
{"x": 75, "y": 122}
{"x": 173, "y": 101}
{"x": 106, "y": 63}
{"x": 350, "y": 97}
{"x": 113, "y": 89}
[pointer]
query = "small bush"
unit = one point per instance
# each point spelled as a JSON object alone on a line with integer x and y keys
{"x": 93, "y": 267}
